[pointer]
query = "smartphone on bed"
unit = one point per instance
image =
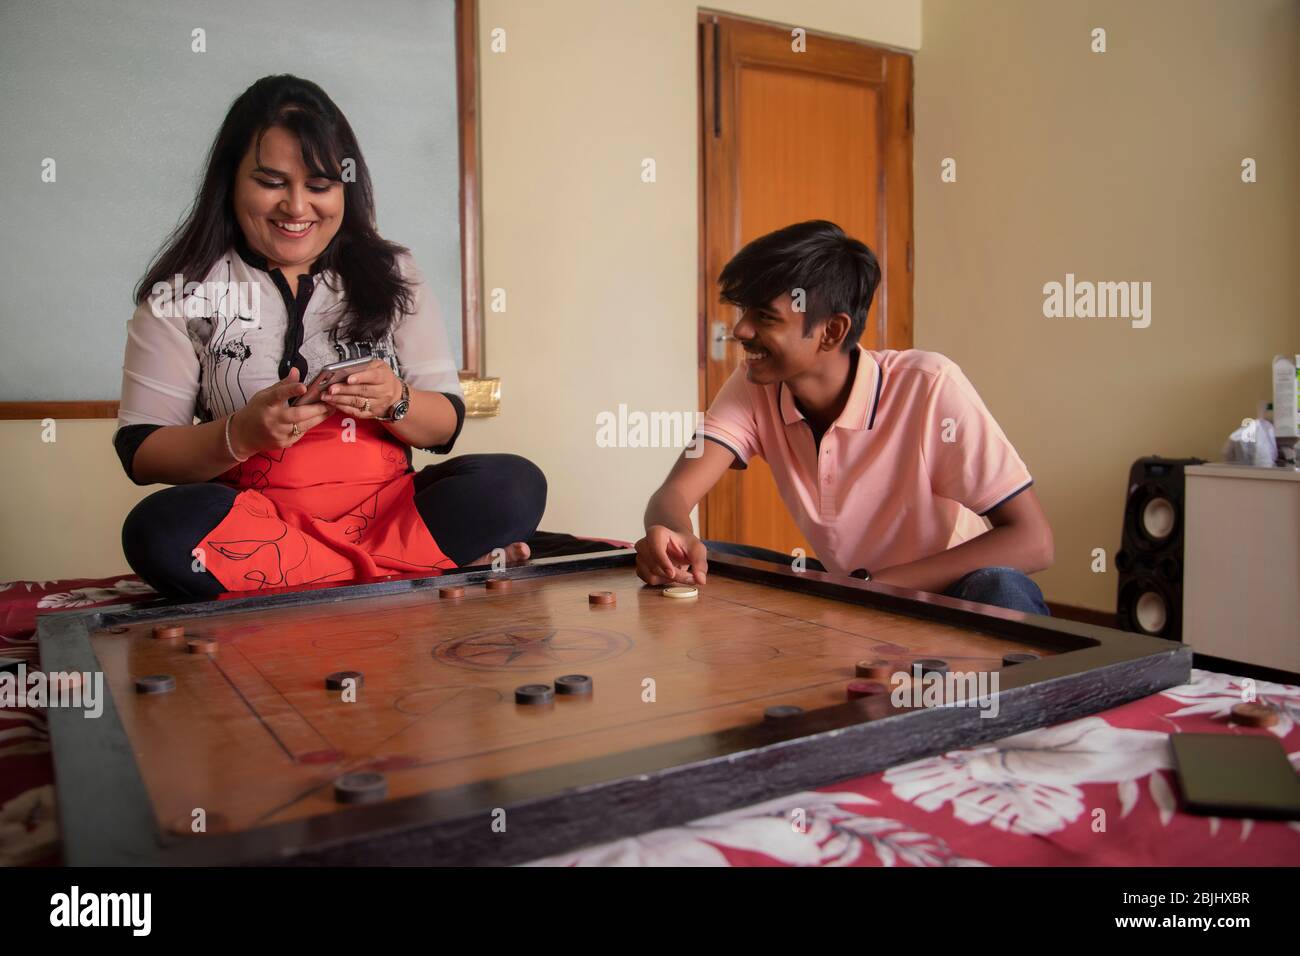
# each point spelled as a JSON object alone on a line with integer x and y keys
{"x": 331, "y": 374}
{"x": 1236, "y": 775}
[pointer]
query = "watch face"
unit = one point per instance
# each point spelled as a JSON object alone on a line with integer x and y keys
{"x": 399, "y": 410}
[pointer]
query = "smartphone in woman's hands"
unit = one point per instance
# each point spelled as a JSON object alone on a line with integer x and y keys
{"x": 331, "y": 374}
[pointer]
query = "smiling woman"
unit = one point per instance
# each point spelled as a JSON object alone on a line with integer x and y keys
{"x": 292, "y": 211}
{"x": 282, "y": 274}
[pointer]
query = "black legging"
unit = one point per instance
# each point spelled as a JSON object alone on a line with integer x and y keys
{"x": 470, "y": 505}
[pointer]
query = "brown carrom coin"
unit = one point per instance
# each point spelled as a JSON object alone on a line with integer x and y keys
{"x": 874, "y": 669}
{"x": 1255, "y": 715}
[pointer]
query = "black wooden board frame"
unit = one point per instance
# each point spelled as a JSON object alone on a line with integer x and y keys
{"x": 107, "y": 817}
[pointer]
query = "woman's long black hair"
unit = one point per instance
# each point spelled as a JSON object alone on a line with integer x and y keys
{"x": 366, "y": 263}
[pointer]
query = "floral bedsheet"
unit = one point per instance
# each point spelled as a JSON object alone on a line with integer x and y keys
{"x": 1099, "y": 791}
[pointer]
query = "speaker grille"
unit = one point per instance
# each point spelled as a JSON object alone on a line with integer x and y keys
{"x": 1150, "y": 559}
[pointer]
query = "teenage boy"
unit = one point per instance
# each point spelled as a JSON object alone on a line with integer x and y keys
{"x": 886, "y": 459}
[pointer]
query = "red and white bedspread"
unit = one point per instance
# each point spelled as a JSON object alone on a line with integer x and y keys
{"x": 1094, "y": 792}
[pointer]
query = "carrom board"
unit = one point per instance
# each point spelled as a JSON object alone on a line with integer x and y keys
{"x": 674, "y": 730}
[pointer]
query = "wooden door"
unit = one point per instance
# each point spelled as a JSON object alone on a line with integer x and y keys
{"x": 785, "y": 136}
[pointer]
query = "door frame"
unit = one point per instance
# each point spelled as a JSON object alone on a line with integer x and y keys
{"x": 850, "y": 58}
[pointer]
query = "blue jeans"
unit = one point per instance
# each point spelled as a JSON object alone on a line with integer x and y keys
{"x": 1001, "y": 587}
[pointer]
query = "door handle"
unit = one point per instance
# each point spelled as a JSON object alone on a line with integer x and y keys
{"x": 720, "y": 336}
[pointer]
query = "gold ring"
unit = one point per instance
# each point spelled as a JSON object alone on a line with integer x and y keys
{"x": 365, "y": 406}
{"x": 295, "y": 432}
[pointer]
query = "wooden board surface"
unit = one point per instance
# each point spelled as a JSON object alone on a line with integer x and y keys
{"x": 236, "y": 737}
{"x": 253, "y": 737}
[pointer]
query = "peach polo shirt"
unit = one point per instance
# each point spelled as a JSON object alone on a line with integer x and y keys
{"x": 906, "y": 471}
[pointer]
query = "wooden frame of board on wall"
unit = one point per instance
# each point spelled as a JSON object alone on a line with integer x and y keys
{"x": 482, "y": 394}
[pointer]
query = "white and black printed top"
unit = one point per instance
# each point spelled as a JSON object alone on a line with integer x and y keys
{"x": 200, "y": 351}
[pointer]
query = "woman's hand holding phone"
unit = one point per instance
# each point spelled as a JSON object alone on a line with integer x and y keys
{"x": 368, "y": 392}
{"x": 268, "y": 421}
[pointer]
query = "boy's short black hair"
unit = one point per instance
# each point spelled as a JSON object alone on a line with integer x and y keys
{"x": 837, "y": 273}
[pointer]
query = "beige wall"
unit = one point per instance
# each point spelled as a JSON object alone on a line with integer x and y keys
{"x": 599, "y": 269}
{"x": 1116, "y": 166}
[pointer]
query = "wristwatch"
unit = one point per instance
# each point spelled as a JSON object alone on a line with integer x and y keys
{"x": 400, "y": 407}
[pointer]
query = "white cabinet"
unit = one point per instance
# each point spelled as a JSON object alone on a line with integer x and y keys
{"x": 1241, "y": 564}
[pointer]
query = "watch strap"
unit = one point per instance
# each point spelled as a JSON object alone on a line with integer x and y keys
{"x": 404, "y": 403}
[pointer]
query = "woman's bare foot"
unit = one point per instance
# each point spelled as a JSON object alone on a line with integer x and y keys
{"x": 516, "y": 553}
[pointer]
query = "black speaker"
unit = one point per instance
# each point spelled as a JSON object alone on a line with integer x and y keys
{"x": 1150, "y": 558}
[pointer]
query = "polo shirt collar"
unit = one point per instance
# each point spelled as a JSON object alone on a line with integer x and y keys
{"x": 860, "y": 410}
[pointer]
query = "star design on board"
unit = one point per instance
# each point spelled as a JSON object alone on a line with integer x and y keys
{"x": 532, "y": 646}
{"x": 517, "y": 646}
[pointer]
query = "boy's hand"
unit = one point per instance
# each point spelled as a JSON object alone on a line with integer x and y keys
{"x": 665, "y": 556}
